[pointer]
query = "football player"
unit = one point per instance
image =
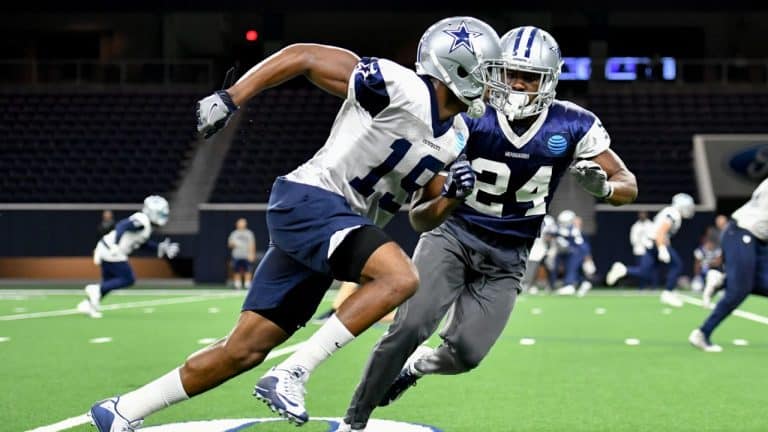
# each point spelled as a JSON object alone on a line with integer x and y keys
{"x": 112, "y": 252}
{"x": 472, "y": 261}
{"x": 574, "y": 254}
{"x": 745, "y": 251}
{"x": 658, "y": 250}
{"x": 394, "y": 132}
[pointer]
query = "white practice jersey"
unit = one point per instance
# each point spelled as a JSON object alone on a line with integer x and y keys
{"x": 670, "y": 214}
{"x": 753, "y": 216}
{"x": 134, "y": 232}
{"x": 385, "y": 143}
{"x": 638, "y": 234}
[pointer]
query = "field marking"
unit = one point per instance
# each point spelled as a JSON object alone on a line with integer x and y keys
{"x": 83, "y": 419}
{"x": 632, "y": 341}
{"x": 129, "y": 305}
{"x": 4, "y": 338}
{"x": 740, "y": 342}
{"x": 101, "y": 340}
{"x": 127, "y": 292}
{"x": 738, "y": 312}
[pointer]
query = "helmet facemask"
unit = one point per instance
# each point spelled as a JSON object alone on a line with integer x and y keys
{"x": 516, "y": 104}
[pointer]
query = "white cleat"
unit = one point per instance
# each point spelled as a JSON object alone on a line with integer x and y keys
{"x": 712, "y": 282}
{"x": 283, "y": 391}
{"x": 106, "y": 418}
{"x": 700, "y": 341}
{"x": 85, "y": 307}
{"x": 584, "y": 289}
{"x": 566, "y": 290}
{"x": 617, "y": 271}
{"x": 670, "y": 298}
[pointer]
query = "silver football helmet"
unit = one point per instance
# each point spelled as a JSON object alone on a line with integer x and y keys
{"x": 527, "y": 50}
{"x": 454, "y": 50}
{"x": 684, "y": 204}
{"x": 156, "y": 209}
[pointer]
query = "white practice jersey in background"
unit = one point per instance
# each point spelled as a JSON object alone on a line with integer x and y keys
{"x": 669, "y": 214}
{"x": 111, "y": 250}
{"x": 753, "y": 216}
{"x": 385, "y": 143}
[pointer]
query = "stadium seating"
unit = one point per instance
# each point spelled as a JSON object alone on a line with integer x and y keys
{"x": 93, "y": 146}
{"x": 652, "y": 129}
{"x": 280, "y": 129}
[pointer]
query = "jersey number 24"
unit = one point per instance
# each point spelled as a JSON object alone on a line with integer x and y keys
{"x": 488, "y": 198}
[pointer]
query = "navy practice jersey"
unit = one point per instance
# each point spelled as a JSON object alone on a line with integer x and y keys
{"x": 517, "y": 175}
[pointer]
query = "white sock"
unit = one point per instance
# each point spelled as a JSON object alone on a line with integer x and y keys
{"x": 160, "y": 393}
{"x": 328, "y": 339}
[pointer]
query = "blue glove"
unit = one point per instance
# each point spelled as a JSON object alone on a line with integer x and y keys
{"x": 213, "y": 112}
{"x": 461, "y": 179}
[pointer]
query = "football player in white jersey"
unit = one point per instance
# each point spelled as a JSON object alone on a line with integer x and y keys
{"x": 745, "y": 251}
{"x": 112, "y": 251}
{"x": 393, "y": 134}
{"x": 659, "y": 251}
{"x": 472, "y": 259}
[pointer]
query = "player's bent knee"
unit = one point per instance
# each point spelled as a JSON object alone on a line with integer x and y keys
{"x": 468, "y": 359}
{"x": 404, "y": 285}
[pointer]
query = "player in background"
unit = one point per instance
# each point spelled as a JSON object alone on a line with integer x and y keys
{"x": 113, "y": 249}
{"x": 345, "y": 290}
{"x": 394, "y": 132}
{"x": 574, "y": 254}
{"x": 745, "y": 251}
{"x": 540, "y": 251}
{"x": 707, "y": 256}
{"x": 242, "y": 243}
{"x": 659, "y": 251}
{"x": 638, "y": 234}
{"x": 472, "y": 260}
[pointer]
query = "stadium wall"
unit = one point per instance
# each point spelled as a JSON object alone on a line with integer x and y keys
{"x": 39, "y": 234}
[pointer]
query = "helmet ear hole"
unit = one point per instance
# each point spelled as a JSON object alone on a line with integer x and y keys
{"x": 461, "y": 72}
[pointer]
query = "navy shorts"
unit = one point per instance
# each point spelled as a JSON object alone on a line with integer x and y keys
{"x": 241, "y": 265}
{"x": 301, "y": 220}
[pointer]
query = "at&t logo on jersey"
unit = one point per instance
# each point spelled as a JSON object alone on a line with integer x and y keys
{"x": 557, "y": 144}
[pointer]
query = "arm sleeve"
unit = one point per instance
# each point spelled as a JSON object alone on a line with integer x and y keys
{"x": 124, "y": 225}
{"x": 150, "y": 245}
{"x": 594, "y": 142}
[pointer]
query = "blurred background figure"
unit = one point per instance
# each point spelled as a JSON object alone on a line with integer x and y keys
{"x": 540, "y": 250}
{"x": 708, "y": 256}
{"x": 659, "y": 251}
{"x": 638, "y": 235}
{"x": 573, "y": 257}
{"x": 242, "y": 242}
{"x": 107, "y": 223}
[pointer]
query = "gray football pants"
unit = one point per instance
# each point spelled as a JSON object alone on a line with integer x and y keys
{"x": 478, "y": 286}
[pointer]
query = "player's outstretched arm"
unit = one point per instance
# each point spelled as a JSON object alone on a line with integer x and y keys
{"x": 621, "y": 181}
{"x": 326, "y": 66}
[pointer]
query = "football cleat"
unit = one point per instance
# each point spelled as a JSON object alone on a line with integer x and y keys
{"x": 346, "y": 427}
{"x": 698, "y": 339}
{"x": 93, "y": 291}
{"x": 566, "y": 290}
{"x": 584, "y": 288}
{"x": 713, "y": 281}
{"x": 283, "y": 392}
{"x": 87, "y": 308}
{"x": 617, "y": 271}
{"x": 106, "y": 418}
{"x": 671, "y": 298}
{"x": 406, "y": 378}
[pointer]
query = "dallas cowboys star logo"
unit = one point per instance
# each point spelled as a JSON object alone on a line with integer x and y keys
{"x": 462, "y": 37}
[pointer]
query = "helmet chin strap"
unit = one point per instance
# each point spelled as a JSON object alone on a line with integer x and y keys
{"x": 476, "y": 107}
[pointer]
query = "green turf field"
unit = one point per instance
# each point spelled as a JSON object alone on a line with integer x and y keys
{"x": 578, "y": 375}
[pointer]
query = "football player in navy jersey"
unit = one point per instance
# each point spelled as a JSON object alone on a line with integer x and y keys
{"x": 396, "y": 130}
{"x": 472, "y": 261}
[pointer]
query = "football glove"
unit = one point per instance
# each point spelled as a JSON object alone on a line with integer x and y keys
{"x": 167, "y": 248}
{"x": 461, "y": 179}
{"x": 213, "y": 112}
{"x": 664, "y": 255}
{"x": 592, "y": 178}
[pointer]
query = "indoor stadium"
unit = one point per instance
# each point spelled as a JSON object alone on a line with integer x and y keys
{"x": 383, "y": 216}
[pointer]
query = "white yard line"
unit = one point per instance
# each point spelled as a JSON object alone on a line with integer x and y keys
{"x": 83, "y": 419}
{"x": 738, "y": 312}
{"x": 129, "y": 305}
{"x": 126, "y": 292}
